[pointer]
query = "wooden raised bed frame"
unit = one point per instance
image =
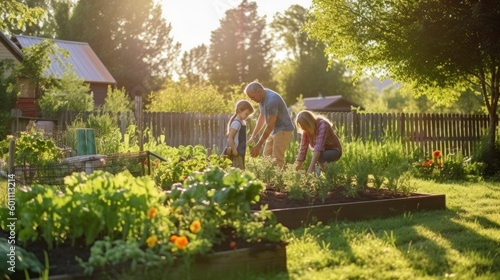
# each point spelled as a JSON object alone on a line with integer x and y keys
{"x": 354, "y": 211}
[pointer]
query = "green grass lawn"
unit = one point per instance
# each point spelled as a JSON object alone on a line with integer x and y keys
{"x": 462, "y": 242}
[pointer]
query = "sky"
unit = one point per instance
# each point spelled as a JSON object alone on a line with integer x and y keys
{"x": 194, "y": 20}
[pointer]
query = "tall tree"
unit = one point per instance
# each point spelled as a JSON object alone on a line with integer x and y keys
{"x": 305, "y": 70}
{"x": 130, "y": 37}
{"x": 16, "y": 15}
{"x": 239, "y": 50}
{"x": 194, "y": 65}
{"x": 430, "y": 43}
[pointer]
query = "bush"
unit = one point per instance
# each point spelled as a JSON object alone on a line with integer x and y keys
{"x": 69, "y": 94}
{"x": 180, "y": 97}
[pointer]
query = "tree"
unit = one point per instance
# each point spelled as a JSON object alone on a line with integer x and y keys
{"x": 239, "y": 49}
{"x": 428, "y": 43}
{"x": 43, "y": 26}
{"x": 15, "y": 15}
{"x": 130, "y": 37}
{"x": 305, "y": 70}
{"x": 194, "y": 65}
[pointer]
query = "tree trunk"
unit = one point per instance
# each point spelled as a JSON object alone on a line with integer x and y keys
{"x": 491, "y": 156}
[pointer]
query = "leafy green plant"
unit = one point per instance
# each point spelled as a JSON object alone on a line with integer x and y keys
{"x": 182, "y": 161}
{"x": 88, "y": 207}
{"x": 32, "y": 148}
{"x": 24, "y": 260}
{"x": 209, "y": 208}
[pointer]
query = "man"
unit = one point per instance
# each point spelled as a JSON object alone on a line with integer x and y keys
{"x": 279, "y": 126}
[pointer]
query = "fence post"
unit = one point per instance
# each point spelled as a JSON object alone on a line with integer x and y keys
{"x": 123, "y": 124}
{"x": 401, "y": 126}
{"x": 355, "y": 124}
{"x": 12, "y": 152}
{"x": 140, "y": 121}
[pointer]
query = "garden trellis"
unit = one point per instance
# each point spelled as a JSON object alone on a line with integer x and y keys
{"x": 447, "y": 132}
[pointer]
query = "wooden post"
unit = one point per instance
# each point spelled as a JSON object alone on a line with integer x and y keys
{"x": 140, "y": 121}
{"x": 123, "y": 124}
{"x": 12, "y": 152}
{"x": 355, "y": 124}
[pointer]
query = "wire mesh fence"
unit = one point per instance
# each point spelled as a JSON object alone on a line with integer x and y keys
{"x": 53, "y": 174}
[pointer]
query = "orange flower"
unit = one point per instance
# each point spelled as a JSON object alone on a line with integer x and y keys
{"x": 181, "y": 242}
{"x": 436, "y": 153}
{"x": 151, "y": 241}
{"x": 173, "y": 238}
{"x": 195, "y": 227}
{"x": 430, "y": 162}
{"x": 424, "y": 163}
{"x": 152, "y": 212}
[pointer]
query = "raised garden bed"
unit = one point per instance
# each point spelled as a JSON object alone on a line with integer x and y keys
{"x": 259, "y": 259}
{"x": 292, "y": 213}
{"x": 336, "y": 206}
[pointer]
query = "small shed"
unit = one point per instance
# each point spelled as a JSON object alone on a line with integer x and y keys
{"x": 333, "y": 103}
{"x": 84, "y": 62}
{"x": 83, "y": 59}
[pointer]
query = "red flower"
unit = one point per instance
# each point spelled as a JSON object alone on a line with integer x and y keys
{"x": 430, "y": 162}
{"x": 436, "y": 154}
{"x": 424, "y": 163}
{"x": 233, "y": 245}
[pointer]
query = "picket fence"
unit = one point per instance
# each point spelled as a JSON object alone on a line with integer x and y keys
{"x": 448, "y": 132}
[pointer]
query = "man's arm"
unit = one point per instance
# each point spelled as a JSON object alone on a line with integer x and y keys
{"x": 258, "y": 128}
{"x": 271, "y": 122}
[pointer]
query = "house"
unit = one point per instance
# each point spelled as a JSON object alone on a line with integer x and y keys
{"x": 83, "y": 59}
{"x": 334, "y": 103}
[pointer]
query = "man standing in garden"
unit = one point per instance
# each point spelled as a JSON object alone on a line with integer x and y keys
{"x": 279, "y": 126}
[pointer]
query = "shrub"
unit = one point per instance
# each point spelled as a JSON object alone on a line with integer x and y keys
{"x": 70, "y": 94}
{"x": 181, "y": 97}
{"x": 32, "y": 148}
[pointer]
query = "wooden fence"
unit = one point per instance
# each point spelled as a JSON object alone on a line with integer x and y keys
{"x": 447, "y": 132}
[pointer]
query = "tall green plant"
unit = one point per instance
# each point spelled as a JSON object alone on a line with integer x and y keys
{"x": 181, "y": 97}
{"x": 117, "y": 101}
{"x": 70, "y": 93}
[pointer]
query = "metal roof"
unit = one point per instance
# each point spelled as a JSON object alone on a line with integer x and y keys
{"x": 329, "y": 103}
{"x": 85, "y": 62}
